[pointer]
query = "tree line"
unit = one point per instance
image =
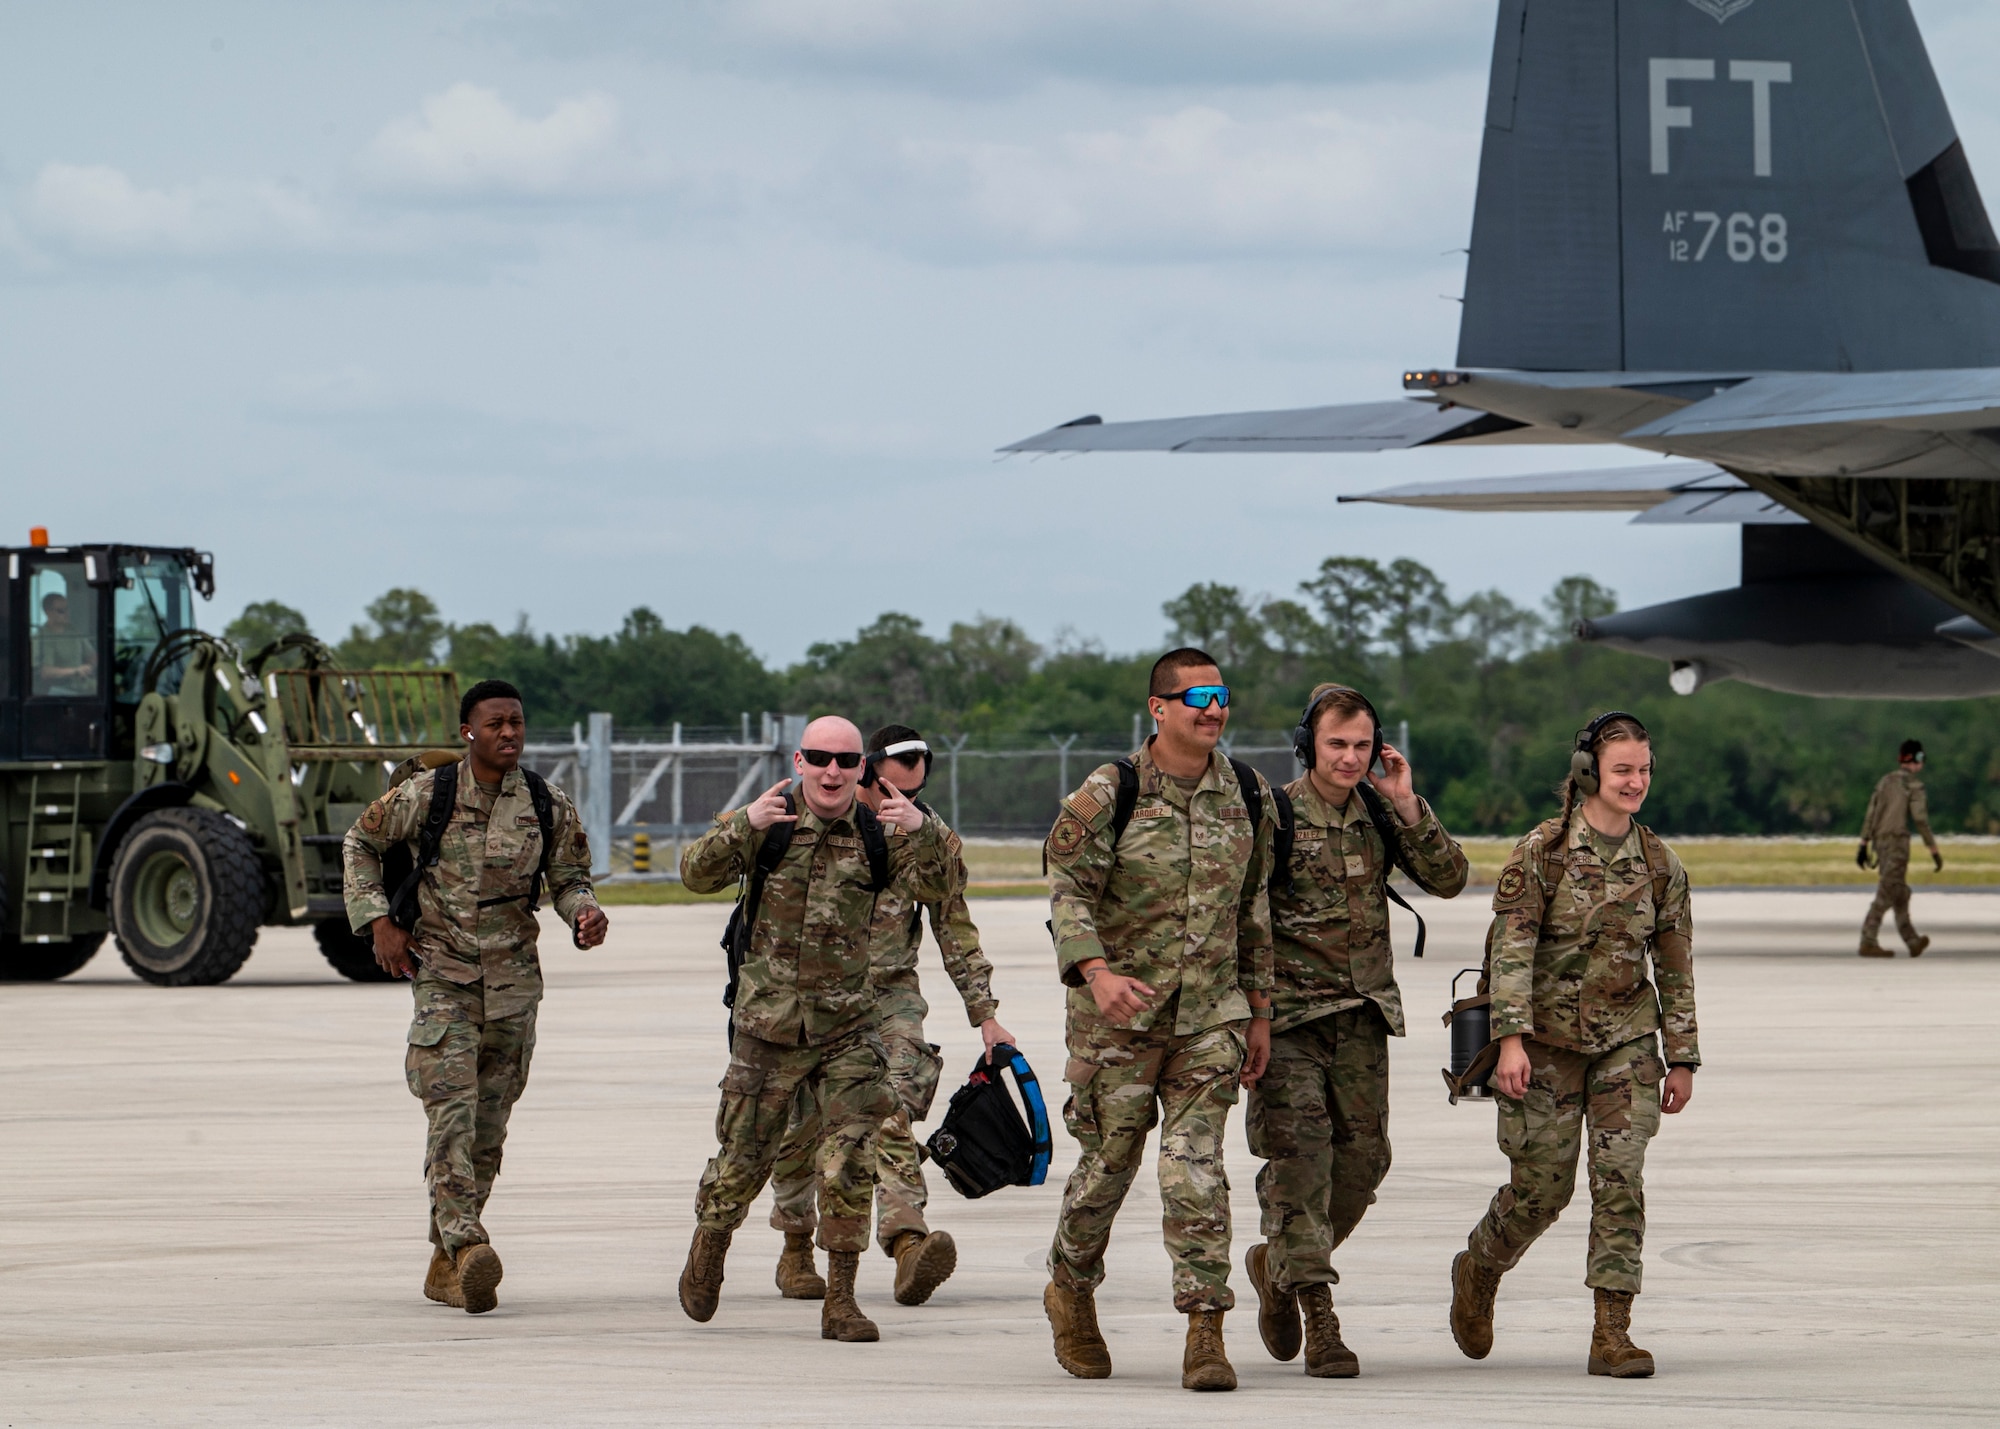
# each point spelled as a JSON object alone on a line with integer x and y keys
{"x": 1493, "y": 692}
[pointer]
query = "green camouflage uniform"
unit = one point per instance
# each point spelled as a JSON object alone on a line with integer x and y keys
{"x": 478, "y": 978}
{"x": 1897, "y": 803}
{"x": 1180, "y": 904}
{"x": 1571, "y": 978}
{"x": 806, "y": 1014}
{"x": 1320, "y": 1115}
{"x": 914, "y": 1065}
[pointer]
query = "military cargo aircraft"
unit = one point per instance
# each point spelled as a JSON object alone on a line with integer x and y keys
{"x": 1743, "y": 233}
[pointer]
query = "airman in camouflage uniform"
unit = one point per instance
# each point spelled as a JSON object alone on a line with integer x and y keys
{"x": 477, "y": 975}
{"x": 924, "y": 1258}
{"x": 806, "y": 1013}
{"x": 1577, "y": 917}
{"x": 1897, "y": 803}
{"x": 1320, "y": 1115}
{"x": 1163, "y": 936}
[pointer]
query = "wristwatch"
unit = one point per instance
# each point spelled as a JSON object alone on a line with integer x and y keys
{"x": 1263, "y": 1014}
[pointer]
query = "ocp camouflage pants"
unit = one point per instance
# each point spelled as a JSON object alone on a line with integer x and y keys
{"x": 1122, "y": 1085}
{"x": 900, "y": 1192}
{"x": 1320, "y": 1118}
{"x": 1892, "y": 889}
{"x": 1613, "y": 1098}
{"x": 468, "y": 1070}
{"x": 847, "y": 1079}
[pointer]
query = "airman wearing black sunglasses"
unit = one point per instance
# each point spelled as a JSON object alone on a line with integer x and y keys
{"x": 805, "y": 1009}
{"x": 1163, "y": 936}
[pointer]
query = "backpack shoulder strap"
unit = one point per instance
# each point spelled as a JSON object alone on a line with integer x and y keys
{"x": 1128, "y": 798}
{"x": 1657, "y": 863}
{"x": 1253, "y": 795}
{"x": 1555, "y": 856}
{"x": 875, "y": 844}
{"x": 1392, "y": 857}
{"x": 545, "y": 815}
{"x": 444, "y": 794}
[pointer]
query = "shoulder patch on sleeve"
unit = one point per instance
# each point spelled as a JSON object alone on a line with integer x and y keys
{"x": 1067, "y": 836}
{"x": 1513, "y": 884}
{"x": 375, "y": 816}
{"x": 1085, "y": 804}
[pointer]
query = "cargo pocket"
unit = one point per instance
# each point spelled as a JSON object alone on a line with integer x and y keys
{"x": 424, "y": 1036}
{"x": 1648, "y": 1071}
{"x": 921, "y": 1067}
{"x": 736, "y": 1118}
{"x": 1080, "y": 1111}
{"x": 1525, "y": 1124}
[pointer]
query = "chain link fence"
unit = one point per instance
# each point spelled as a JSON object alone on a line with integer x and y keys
{"x": 670, "y": 783}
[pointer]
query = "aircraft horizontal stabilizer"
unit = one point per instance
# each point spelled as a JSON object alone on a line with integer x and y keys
{"x": 1665, "y": 492}
{"x": 1355, "y": 427}
{"x": 1934, "y": 401}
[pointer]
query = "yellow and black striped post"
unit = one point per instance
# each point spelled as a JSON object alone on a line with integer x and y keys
{"x": 642, "y": 852}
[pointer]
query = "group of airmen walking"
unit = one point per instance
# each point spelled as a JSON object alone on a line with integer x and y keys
{"x": 1215, "y": 935}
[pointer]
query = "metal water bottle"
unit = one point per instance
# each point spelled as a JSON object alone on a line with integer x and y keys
{"x": 1471, "y": 1030}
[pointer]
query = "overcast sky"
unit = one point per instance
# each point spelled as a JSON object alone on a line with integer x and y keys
{"x": 721, "y": 306}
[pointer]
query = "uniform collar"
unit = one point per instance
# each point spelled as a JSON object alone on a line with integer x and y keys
{"x": 1313, "y": 809}
{"x": 468, "y": 784}
{"x": 1153, "y": 780}
{"x": 809, "y": 818}
{"x": 1583, "y": 836}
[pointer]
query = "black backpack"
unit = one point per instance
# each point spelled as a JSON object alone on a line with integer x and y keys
{"x": 403, "y": 870}
{"x": 771, "y": 853}
{"x": 983, "y": 1142}
{"x": 1281, "y": 844}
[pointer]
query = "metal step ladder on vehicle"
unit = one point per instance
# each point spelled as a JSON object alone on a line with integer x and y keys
{"x": 59, "y": 856}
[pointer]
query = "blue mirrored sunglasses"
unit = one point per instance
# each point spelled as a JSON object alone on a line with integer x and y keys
{"x": 1200, "y": 697}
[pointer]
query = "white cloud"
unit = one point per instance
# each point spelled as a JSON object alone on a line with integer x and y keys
{"x": 1196, "y": 182}
{"x": 469, "y": 141}
{"x": 100, "y": 209}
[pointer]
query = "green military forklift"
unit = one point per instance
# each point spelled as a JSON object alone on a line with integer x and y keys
{"x": 162, "y": 787}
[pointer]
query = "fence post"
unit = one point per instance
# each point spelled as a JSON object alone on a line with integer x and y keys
{"x": 680, "y": 764}
{"x": 1062, "y": 766}
{"x": 1138, "y": 737}
{"x": 597, "y": 787}
{"x": 1403, "y": 737}
{"x": 953, "y": 748}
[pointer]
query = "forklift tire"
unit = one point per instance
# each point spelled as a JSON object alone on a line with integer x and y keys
{"x": 187, "y": 895}
{"x": 41, "y": 962}
{"x": 352, "y": 955}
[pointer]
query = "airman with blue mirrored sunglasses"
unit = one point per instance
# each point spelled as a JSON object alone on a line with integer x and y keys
{"x": 1200, "y": 697}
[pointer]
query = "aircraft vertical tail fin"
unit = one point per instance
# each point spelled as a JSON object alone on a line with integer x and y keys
{"x": 1716, "y": 185}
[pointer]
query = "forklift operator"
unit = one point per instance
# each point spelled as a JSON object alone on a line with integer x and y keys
{"x": 65, "y": 659}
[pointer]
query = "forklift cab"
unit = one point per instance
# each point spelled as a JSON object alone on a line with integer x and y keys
{"x": 78, "y": 627}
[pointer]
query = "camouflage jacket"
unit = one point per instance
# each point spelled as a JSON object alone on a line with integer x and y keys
{"x": 489, "y": 851}
{"x": 899, "y": 933}
{"x": 1567, "y": 965}
{"x": 806, "y": 978}
{"x": 1179, "y": 904}
{"x": 1331, "y": 926}
{"x": 1898, "y": 803}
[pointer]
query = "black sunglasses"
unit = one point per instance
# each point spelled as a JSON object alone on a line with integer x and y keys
{"x": 820, "y": 758}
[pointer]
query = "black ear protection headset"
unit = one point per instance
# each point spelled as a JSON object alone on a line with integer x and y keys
{"x": 1583, "y": 759}
{"x": 903, "y": 749}
{"x": 1302, "y": 737}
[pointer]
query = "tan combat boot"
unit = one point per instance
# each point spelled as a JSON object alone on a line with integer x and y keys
{"x": 1277, "y": 1308}
{"x": 924, "y": 1261}
{"x": 1872, "y": 949}
{"x": 1203, "y": 1364}
{"x": 1917, "y": 948}
{"x": 1474, "y": 1283}
{"x": 701, "y": 1277}
{"x": 1611, "y": 1349}
{"x": 798, "y": 1277}
{"x": 441, "y": 1280}
{"x": 1327, "y": 1355}
{"x": 478, "y": 1278}
{"x": 840, "y": 1318}
{"x": 1080, "y": 1347}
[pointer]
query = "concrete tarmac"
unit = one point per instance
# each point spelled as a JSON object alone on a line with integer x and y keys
{"x": 211, "y": 1210}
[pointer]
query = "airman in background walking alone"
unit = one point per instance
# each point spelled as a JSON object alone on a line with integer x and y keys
{"x": 806, "y": 1020}
{"x": 472, "y": 953}
{"x": 1320, "y": 1115}
{"x": 899, "y": 759}
{"x": 1582, "y": 904}
{"x": 1897, "y": 803}
{"x": 1163, "y": 937}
